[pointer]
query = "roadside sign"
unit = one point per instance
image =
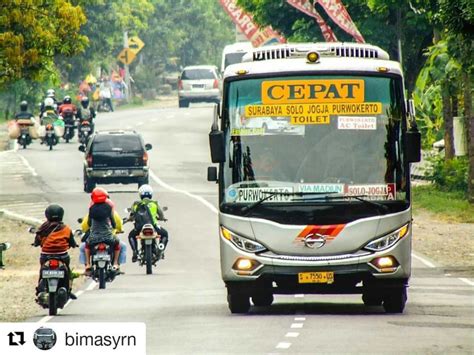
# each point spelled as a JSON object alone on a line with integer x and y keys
{"x": 126, "y": 56}
{"x": 135, "y": 44}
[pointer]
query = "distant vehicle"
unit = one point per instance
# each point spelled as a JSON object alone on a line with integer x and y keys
{"x": 233, "y": 53}
{"x": 115, "y": 157}
{"x": 269, "y": 124}
{"x": 199, "y": 83}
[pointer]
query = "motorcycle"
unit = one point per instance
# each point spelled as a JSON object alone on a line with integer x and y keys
{"x": 151, "y": 247}
{"x": 84, "y": 131}
{"x": 24, "y": 139}
{"x": 103, "y": 106}
{"x": 51, "y": 139}
{"x": 102, "y": 257}
{"x": 69, "y": 125}
{"x": 53, "y": 286}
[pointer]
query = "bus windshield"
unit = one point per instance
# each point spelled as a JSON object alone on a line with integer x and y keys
{"x": 314, "y": 135}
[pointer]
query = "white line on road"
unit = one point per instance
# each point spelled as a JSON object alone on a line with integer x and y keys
{"x": 296, "y": 325}
{"x": 171, "y": 188}
{"x": 283, "y": 345}
{"x": 91, "y": 286}
{"x": 469, "y": 282}
{"x": 300, "y": 319}
{"x": 28, "y": 166}
{"x": 18, "y": 216}
{"x": 424, "y": 261}
{"x": 299, "y": 295}
{"x": 292, "y": 335}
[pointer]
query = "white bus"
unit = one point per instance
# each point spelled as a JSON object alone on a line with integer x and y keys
{"x": 323, "y": 208}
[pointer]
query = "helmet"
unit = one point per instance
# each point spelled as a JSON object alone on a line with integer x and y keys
{"x": 85, "y": 101}
{"x": 99, "y": 195}
{"x": 67, "y": 99}
{"x": 48, "y": 102}
{"x": 54, "y": 213}
{"x": 50, "y": 93}
{"x": 23, "y": 105}
{"x": 145, "y": 191}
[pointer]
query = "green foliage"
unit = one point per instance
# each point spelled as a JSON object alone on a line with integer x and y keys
{"x": 450, "y": 175}
{"x": 451, "y": 206}
{"x": 32, "y": 33}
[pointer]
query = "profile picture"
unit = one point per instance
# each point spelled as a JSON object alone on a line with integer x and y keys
{"x": 44, "y": 338}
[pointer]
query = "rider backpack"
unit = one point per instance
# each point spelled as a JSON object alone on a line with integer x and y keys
{"x": 86, "y": 114}
{"x": 142, "y": 216}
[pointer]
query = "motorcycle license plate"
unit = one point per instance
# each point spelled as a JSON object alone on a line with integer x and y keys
{"x": 85, "y": 129}
{"x": 326, "y": 277}
{"x": 101, "y": 257}
{"x": 50, "y": 274}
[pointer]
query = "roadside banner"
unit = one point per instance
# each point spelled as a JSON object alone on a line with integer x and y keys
{"x": 244, "y": 21}
{"x": 338, "y": 13}
{"x": 307, "y": 7}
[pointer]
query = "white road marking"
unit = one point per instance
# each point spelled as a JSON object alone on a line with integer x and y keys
{"x": 18, "y": 216}
{"x": 296, "y": 325}
{"x": 469, "y": 282}
{"x": 283, "y": 345}
{"x": 299, "y": 295}
{"x": 45, "y": 319}
{"x": 292, "y": 335}
{"x": 91, "y": 286}
{"x": 28, "y": 166}
{"x": 301, "y": 319}
{"x": 424, "y": 261}
{"x": 171, "y": 188}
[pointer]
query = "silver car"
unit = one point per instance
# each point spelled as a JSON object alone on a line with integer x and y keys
{"x": 199, "y": 83}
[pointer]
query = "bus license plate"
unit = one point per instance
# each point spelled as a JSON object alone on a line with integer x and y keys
{"x": 48, "y": 274}
{"x": 316, "y": 277}
{"x": 121, "y": 172}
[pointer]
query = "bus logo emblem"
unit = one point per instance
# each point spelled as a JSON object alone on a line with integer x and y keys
{"x": 314, "y": 241}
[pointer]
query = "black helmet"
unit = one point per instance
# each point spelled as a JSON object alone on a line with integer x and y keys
{"x": 23, "y": 105}
{"x": 54, "y": 213}
{"x": 85, "y": 101}
{"x": 67, "y": 99}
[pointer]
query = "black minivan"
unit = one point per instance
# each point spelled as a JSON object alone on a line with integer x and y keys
{"x": 115, "y": 157}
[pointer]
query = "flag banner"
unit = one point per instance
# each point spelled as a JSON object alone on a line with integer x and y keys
{"x": 244, "y": 21}
{"x": 338, "y": 13}
{"x": 307, "y": 7}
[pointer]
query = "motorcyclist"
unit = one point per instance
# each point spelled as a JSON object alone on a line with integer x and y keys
{"x": 49, "y": 115}
{"x": 24, "y": 114}
{"x": 86, "y": 113}
{"x": 155, "y": 213}
{"x": 67, "y": 107}
{"x": 103, "y": 222}
{"x": 55, "y": 238}
{"x": 50, "y": 93}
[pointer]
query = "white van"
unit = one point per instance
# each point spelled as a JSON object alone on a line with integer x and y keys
{"x": 233, "y": 53}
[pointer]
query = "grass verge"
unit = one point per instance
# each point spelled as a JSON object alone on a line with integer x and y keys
{"x": 447, "y": 206}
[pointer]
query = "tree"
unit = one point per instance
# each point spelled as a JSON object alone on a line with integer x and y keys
{"x": 457, "y": 17}
{"x": 32, "y": 33}
{"x": 379, "y": 21}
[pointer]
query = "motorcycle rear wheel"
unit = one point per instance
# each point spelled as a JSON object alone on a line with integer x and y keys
{"x": 148, "y": 257}
{"x": 53, "y": 304}
{"x": 102, "y": 278}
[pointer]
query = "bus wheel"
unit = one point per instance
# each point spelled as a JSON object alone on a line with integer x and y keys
{"x": 371, "y": 299}
{"x": 394, "y": 301}
{"x": 262, "y": 299}
{"x": 238, "y": 303}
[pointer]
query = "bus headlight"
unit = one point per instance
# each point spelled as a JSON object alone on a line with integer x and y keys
{"x": 242, "y": 243}
{"x": 388, "y": 240}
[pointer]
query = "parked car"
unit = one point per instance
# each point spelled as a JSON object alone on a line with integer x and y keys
{"x": 199, "y": 83}
{"x": 115, "y": 157}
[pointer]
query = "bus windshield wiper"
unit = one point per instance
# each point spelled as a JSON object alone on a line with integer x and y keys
{"x": 380, "y": 206}
{"x": 270, "y": 194}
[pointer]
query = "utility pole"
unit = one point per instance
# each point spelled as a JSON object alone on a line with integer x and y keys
{"x": 128, "y": 90}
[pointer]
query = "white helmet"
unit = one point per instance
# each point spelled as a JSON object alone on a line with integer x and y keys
{"x": 50, "y": 93}
{"x": 49, "y": 102}
{"x": 145, "y": 191}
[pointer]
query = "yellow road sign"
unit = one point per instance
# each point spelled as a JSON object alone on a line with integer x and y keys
{"x": 126, "y": 56}
{"x": 135, "y": 44}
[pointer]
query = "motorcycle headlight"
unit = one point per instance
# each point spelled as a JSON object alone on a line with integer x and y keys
{"x": 242, "y": 243}
{"x": 388, "y": 240}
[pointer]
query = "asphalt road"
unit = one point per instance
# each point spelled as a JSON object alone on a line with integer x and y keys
{"x": 184, "y": 302}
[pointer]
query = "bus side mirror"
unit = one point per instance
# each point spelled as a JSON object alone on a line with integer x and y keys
{"x": 216, "y": 142}
{"x": 413, "y": 146}
{"x": 211, "y": 173}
